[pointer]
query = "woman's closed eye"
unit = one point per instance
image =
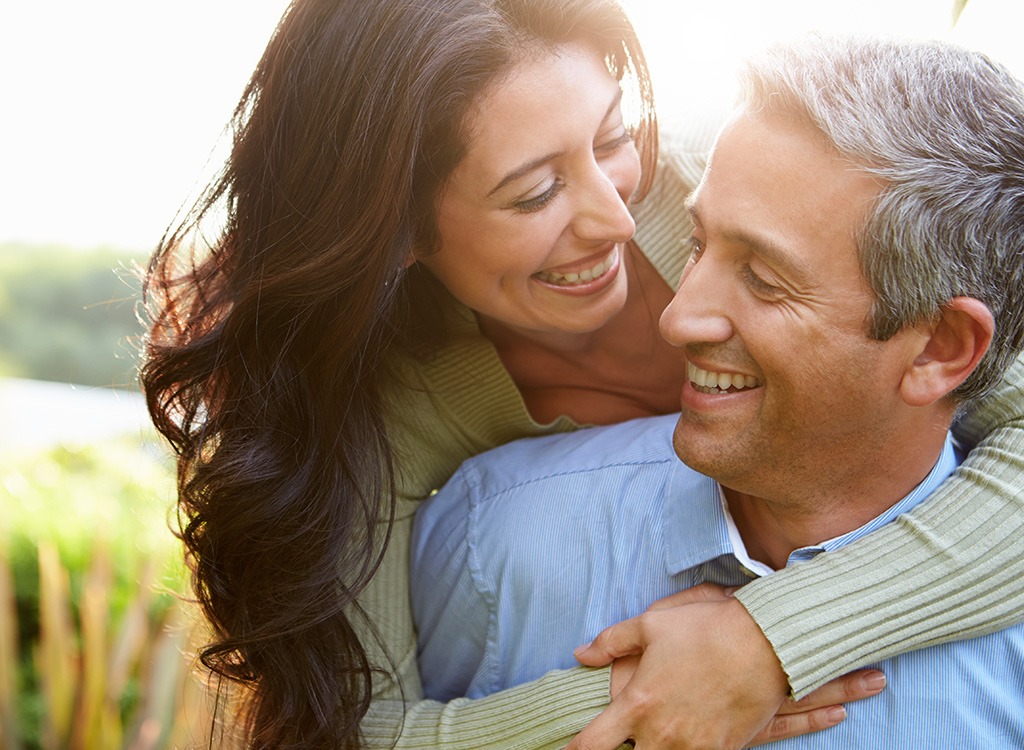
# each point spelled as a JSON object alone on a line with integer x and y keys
{"x": 537, "y": 202}
{"x": 614, "y": 144}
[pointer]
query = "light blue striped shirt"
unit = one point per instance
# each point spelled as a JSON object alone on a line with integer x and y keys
{"x": 533, "y": 548}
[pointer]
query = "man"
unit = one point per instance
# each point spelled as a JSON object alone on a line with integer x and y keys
{"x": 855, "y": 277}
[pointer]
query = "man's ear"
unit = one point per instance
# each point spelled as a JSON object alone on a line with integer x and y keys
{"x": 952, "y": 348}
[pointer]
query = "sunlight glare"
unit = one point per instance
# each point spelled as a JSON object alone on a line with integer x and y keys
{"x": 116, "y": 106}
{"x": 694, "y": 47}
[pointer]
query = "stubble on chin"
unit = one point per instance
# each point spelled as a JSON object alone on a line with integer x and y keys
{"x": 701, "y": 451}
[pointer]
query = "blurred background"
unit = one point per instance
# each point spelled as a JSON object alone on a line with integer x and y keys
{"x": 114, "y": 115}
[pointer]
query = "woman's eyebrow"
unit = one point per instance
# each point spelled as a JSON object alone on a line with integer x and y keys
{"x": 531, "y": 165}
{"x": 523, "y": 169}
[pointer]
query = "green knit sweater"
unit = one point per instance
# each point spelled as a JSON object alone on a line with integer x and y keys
{"x": 964, "y": 548}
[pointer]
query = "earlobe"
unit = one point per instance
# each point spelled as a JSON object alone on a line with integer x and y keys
{"x": 955, "y": 343}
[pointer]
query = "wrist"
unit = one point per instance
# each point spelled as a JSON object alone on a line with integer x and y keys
{"x": 753, "y": 647}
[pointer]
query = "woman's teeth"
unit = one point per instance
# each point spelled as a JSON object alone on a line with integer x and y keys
{"x": 718, "y": 382}
{"x": 582, "y": 277}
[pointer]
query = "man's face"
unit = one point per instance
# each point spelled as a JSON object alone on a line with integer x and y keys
{"x": 785, "y": 385}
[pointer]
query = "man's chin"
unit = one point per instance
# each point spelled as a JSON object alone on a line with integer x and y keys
{"x": 702, "y": 449}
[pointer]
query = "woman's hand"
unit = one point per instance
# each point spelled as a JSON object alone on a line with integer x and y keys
{"x": 695, "y": 671}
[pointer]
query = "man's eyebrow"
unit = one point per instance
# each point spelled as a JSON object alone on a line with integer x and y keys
{"x": 761, "y": 245}
{"x": 531, "y": 165}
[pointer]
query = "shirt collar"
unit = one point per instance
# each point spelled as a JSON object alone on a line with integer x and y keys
{"x": 695, "y": 530}
{"x": 699, "y": 528}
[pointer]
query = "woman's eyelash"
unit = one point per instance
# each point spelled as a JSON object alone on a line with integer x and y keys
{"x": 538, "y": 201}
{"x": 615, "y": 143}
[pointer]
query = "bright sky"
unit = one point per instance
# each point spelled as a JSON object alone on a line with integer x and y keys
{"x": 112, "y": 108}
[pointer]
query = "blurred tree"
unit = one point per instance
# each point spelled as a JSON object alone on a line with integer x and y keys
{"x": 68, "y": 315}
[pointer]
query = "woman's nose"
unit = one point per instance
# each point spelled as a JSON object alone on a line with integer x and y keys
{"x": 603, "y": 212}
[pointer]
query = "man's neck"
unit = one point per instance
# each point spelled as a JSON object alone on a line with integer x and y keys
{"x": 771, "y": 532}
{"x": 774, "y": 524}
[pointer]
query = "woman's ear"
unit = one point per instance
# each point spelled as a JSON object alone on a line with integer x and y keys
{"x": 956, "y": 342}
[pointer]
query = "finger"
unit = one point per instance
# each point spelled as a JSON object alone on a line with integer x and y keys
{"x": 622, "y": 639}
{"x": 850, "y": 687}
{"x": 705, "y": 592}
{"x": 794, "y": 725}
{"x": 607, "y": 731}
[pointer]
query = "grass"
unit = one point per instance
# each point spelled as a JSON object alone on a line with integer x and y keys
{"x": 94, "y": 634}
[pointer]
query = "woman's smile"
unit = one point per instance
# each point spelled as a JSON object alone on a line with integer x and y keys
{"x": 586, "y": 275}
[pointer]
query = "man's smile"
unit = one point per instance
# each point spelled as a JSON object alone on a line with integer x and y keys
{"x": 713, "y": 383}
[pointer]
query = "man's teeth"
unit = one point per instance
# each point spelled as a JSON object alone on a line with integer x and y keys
{"x": 719, "y": 382}
{"x": 588, "y": 274}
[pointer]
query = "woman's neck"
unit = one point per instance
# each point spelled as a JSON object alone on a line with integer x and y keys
{"x": 621, "y": 371}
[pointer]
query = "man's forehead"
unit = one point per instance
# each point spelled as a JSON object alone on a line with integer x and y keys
{"x": 784, "y": 166}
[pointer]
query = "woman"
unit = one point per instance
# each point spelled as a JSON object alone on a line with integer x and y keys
{"x": 379, "y": 304}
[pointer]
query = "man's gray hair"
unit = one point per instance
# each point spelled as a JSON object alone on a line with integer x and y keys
{"x": 943, "y": 127}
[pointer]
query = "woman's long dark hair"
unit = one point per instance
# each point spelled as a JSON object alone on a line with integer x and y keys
{"x": 274, "y": 304}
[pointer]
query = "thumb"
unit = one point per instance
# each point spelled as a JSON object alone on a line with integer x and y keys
{"x": 621, "y": 639}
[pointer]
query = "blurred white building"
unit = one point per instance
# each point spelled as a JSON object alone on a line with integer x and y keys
{"x": 37, "y": 414}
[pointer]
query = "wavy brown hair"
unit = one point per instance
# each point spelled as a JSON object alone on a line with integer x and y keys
{"x": 275, "y": 303}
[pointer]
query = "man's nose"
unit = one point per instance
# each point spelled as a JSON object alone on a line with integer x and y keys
{"x": 699, "y": 311}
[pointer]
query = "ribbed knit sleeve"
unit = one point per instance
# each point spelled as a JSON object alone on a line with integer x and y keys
{"x": 545, "y": 713}
{"x": 953, "y": 568}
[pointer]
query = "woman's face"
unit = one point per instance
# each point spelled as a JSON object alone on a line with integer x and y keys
{"x": 534, "y": 219}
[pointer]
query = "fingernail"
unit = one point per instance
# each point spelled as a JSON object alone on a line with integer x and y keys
{"x": 729, "y": 591}
{"x": 836, "y": 714}
{"x": 873, "y": 681}
{"x": 579, "y": 649}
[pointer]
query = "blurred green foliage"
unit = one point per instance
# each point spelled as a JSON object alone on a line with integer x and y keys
{"x": 69, "y": 315}
{"x": 117, "y": 494}
{"x": 93, "y": 631}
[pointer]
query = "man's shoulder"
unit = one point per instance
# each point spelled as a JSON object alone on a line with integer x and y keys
{"x": 646, "y": 441}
